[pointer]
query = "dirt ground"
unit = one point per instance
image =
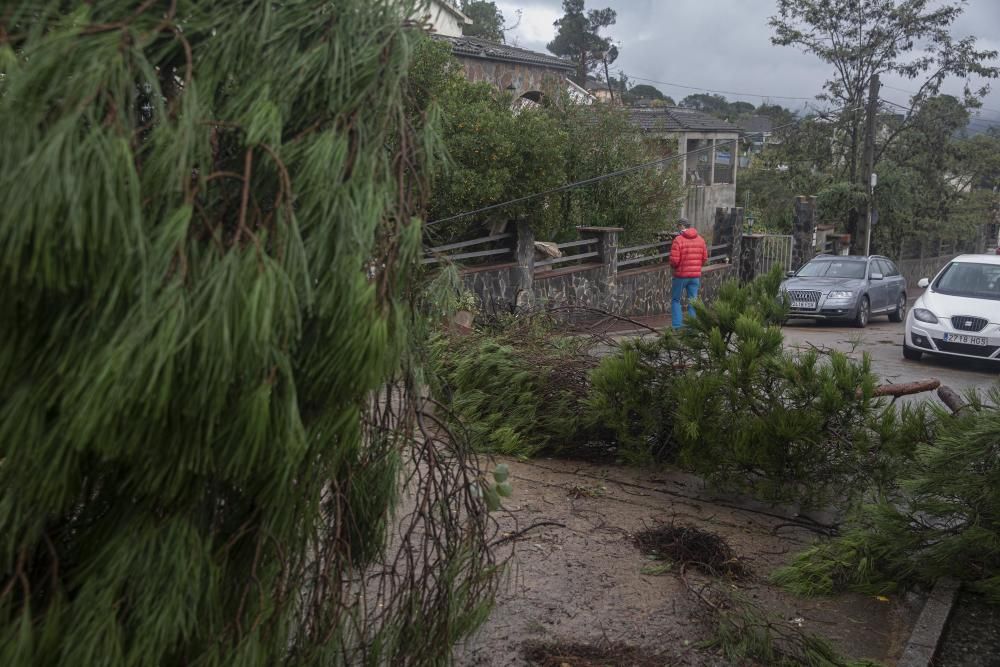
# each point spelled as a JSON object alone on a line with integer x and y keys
{"x": 584, "y": 582}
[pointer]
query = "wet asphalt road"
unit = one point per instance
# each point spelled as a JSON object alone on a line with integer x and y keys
{"x": 883, "y": 340}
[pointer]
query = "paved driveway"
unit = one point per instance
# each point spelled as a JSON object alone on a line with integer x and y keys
{"x": 883, "y": 340}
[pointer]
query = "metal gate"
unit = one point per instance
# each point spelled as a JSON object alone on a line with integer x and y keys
{"x": 761, "y": 252}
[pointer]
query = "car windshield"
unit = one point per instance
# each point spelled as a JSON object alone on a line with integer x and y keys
{"x": 981, "y": 281}
{"x": 832, "y": 269}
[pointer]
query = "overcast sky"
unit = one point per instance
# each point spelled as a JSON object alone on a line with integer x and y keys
{"x": 724, "y": 45}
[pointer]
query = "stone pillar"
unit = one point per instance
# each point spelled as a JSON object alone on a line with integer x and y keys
{"x": 749, "y": 257}
{"x": 803, "y": 231}
{"x": 524, "y": 260}
{"x": 607, "y": 250}
{"x": 728, "y": 230}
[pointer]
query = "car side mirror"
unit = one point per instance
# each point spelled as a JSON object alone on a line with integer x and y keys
{"x": 923, "y": 283}
{"x": 877, "y": 276}
{"x": 789, "y": 274}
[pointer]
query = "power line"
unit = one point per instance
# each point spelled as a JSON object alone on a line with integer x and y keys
{"x": 721, "y": 92}
{"x": 972, "y": 119}
{"x": 602, "y": 177}
{"x": 911, "y": 92}
{"x": 576, "y": 184}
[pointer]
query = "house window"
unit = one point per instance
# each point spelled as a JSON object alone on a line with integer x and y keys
{"x": 725, "y": 156}
{"x": 699, "y": 162}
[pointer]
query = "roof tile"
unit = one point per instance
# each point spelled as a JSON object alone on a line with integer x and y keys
{"x": 673, "y": 119}
{"x": 473, "y": 47}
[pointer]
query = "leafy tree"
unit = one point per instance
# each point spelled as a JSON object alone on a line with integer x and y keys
{"x": 717, "y": 105}
{"x": 578, "y": 38}
{"x": 601, "y": 139}
{"x": 778, "y": 114}
{"x": 709, "y": 103}
{"x": 921, "y": 189}
{"x": 798, "y": 163}
{"x": 645, "y": 91}
{"x": 487, "y": 20}
{"x": 496, "y": 155}
{"x": 860, "y": 39}
{"x": 741, "y": 109}
{"x": 772, "y": 190}
{"x": 493, "y": 154}
{"x": 209, "y": 233}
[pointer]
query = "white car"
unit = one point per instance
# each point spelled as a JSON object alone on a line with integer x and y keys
{"x": 959, "y": 312}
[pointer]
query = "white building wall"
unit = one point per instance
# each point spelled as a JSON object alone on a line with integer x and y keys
{"x": 444, "y": 19}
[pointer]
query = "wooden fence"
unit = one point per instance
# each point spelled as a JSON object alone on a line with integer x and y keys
{"x": 659, "y": 251}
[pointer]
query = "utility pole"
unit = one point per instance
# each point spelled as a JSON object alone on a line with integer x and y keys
{"x": 607, "y": 78}
{"x": 869, "y": 156}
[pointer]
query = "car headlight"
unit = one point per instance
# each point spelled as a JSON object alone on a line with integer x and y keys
{"x": 841, "y": 294}
{"x": 925, "y": 315}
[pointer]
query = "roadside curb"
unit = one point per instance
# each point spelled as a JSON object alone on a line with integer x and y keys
{"x": 926, "y": 636}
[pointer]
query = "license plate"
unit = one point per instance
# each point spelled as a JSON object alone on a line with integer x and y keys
{"x": 967, "y": 340}
{"x": 807, "y": 305}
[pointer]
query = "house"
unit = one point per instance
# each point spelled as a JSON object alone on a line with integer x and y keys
{"x": 708, "y": 149}
{"x": 758, "y": 131}
{"x": 523, "y": 73}
{"x": 599, "y": 89}
{"x": 444, "y": 17}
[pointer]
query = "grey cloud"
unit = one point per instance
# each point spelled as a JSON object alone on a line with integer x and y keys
{"x": 726, "y": 45}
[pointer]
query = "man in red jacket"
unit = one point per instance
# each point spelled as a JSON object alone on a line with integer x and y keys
{"x": 688, "y": 254}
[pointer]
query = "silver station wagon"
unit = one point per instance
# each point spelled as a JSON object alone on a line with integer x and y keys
{"x": 836, "y": 287}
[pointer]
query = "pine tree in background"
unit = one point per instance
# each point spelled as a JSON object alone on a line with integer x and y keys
{"x": 207, "y": 253}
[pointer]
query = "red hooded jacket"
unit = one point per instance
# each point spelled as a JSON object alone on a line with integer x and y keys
{"x": 688, "y": 254}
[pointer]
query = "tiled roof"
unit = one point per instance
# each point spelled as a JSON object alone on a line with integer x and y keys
{"x": 473, "y": 47}
{"x": 757, "y": 125}
{"x": 675, "y": 119}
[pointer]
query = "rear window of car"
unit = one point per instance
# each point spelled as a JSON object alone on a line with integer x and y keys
{"x": 970, "y": 279}
{"x": 885, "y": 267}
{"x": 829, "y": 268}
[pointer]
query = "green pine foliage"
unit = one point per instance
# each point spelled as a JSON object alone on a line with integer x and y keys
{"x": 721, "y": 398}
{"x": 724, "y": 399}
{"x": 208, "y": 248}
{"x": 517, "y": 390}
{"x": 944, "y": 519}
{"x": 745, "y": 631}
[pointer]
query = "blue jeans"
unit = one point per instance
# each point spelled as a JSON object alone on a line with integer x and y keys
{"x": 679, "y": 285}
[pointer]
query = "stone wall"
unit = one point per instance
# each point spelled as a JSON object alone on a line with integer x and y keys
{"x": 582, "y": 285}
{"x": 646, "y": 290}
{"x": 496, "y": 285}
{"x": 518, "y": 78}
{"x": 599, "y": 284}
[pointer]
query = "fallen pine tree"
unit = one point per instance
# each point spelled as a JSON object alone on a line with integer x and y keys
{"x": 517, "y": 389}
{"x": 943, "y": 518}
{"x": 722, "y": 398}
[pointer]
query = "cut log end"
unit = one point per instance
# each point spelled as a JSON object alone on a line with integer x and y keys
{"x": 951, "y": 398}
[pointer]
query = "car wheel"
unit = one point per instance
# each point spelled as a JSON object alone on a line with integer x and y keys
{"x": 864, "y": 311}
{"x": 912, "y": 353}
{"x": 900, "y": 312}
